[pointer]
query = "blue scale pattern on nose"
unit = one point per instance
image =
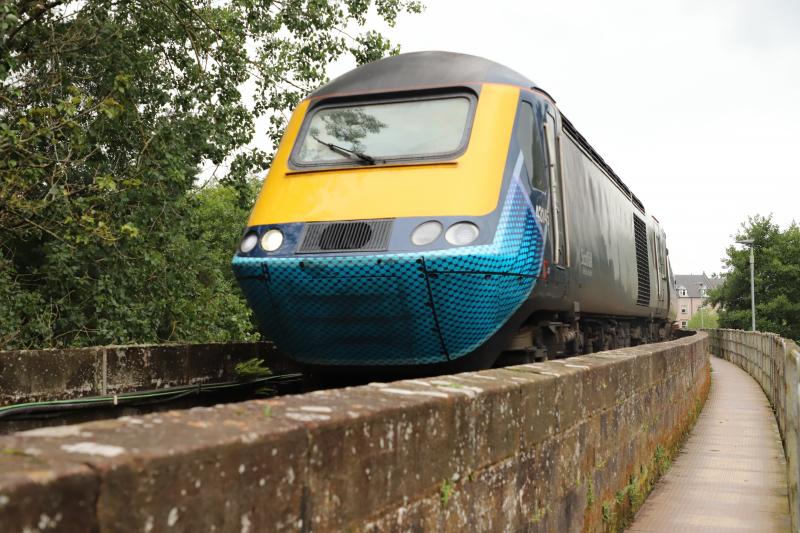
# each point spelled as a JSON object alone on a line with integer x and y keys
{"x": 348, "y": 310}
{"x": 377, "y": 309}
{"x": 476, "y": 293}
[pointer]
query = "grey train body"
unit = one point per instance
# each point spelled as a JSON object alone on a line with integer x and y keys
{"x": 602, "y": 287}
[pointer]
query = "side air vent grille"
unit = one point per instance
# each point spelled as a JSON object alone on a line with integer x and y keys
{"x": 363, "y": 236}
{"x": 642, "y": 262}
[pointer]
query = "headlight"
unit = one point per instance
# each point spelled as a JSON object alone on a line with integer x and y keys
{"x": 426, "y": 233}
{"x": 272, "y": 240}
{"x": 248, "y": 242}
{"x": 462, "y": 233}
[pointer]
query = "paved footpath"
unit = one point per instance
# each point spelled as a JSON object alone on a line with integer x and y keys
{"x": 731, "y": 473}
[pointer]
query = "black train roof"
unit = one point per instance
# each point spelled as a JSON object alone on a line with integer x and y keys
{"x": 422, "y": 69}
{"x": 441, "y": 69}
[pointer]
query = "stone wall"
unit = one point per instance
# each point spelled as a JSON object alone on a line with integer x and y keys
{"x": 774, "y": 363}
{"x": 38, "y": 375}
{"x": 569, "y": 445}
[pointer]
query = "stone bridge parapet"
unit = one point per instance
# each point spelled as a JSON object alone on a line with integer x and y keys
{"x": 568, "y": 445}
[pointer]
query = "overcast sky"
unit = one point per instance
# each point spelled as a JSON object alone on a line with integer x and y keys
{"x": 695, "y": 104}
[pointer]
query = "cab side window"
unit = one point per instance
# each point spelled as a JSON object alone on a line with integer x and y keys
{"x": 530, "y": 139}
{"x": 557, "y": 207}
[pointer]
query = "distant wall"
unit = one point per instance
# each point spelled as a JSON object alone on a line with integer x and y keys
{"x": 774, "y": 362}
{"x": 569, "y": 445}
{"x": 37, "y": 375}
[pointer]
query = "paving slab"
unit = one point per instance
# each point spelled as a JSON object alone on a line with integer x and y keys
{"x": 731, "y": 473}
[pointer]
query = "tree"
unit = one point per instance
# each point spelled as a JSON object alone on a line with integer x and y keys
{"x": 777, "y": 280}
{"x": 108, "y": 109}
{"x": 705, "y": 317}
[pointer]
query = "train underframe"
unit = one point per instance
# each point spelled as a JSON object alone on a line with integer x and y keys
{"x": 555, "y": 335}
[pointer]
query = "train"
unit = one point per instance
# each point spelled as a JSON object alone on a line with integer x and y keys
{"x": 436, "y": 212}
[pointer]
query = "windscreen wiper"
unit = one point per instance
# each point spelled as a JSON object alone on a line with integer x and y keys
{"x": 345, "y": 151}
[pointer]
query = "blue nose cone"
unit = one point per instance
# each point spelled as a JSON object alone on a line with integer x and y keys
{"x": 396, "y": 309}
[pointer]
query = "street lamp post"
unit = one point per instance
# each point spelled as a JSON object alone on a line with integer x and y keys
{"x": 749, "y": 242}
{"x": 701, "y": 287}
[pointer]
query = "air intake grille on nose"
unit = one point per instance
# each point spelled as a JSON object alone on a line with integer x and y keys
{"x": 363, "y": 235}
{"x": 642, "y": 262}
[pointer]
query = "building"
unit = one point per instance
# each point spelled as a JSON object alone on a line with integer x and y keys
{"x": 692, "y": 290}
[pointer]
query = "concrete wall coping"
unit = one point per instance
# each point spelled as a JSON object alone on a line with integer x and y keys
{"x": 57, "y": 374}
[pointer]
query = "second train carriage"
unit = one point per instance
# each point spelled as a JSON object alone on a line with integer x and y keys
{"x": 432, "y": 210}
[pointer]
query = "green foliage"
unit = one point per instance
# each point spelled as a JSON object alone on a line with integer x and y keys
{"x": 661, "y": 460}
{"x": 108, "y": 111}
{"x": 608, "y": 512}
{"x": 777, "y": 280}
{"x": 251, "y": 369}
{"x": 634, "y": 492}
{"x": 708, "y": 319}
{"x": 445, "y": 492}
{"x": 172, "y": 284}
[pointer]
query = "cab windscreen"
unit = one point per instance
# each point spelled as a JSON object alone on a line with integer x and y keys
{"x": 384, "y": 131}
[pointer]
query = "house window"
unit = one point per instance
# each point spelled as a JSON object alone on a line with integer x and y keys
{"x": 683, "y": 309}
{"x": 683, "y": 324}
{"x": 683, "y": 292}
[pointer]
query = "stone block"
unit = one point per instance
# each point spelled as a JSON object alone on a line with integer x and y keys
{"x": 40, "y": 495}
{"x": 538, "y": 408}
{"x": 31, "y": 375}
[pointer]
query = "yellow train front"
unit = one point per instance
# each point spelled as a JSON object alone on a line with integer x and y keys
{"x": 399, "y": 224}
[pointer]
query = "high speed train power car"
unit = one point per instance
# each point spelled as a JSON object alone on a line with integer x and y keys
{"x": 435, "y": 210}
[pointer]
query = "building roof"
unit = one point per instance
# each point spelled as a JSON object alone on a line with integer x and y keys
{"x": 422, "y": 69}
{"x": 693, "y": 282}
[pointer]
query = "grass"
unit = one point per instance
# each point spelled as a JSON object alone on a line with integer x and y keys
{"x": 445, "y": 492}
